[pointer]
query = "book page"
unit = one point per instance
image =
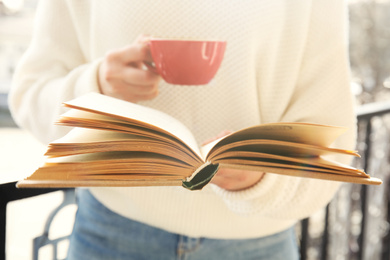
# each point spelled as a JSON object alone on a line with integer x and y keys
{"x": 106, "y": 164}
{"x": 85, "y": 140}
{"x": 305, "y": 133}
{"x": 96, "y": 183}
{"x": 306, "y": 174}
{"x": 277, "y": 147}
{"x": 102, "y": 104}
{"x": 248, "y": 157}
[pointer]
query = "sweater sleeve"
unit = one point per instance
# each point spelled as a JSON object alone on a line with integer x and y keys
{"x": 53, "y": 69}
{"x": 321, "y": 95}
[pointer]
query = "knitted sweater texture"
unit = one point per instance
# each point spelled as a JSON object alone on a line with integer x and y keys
{"x": 285, "y": 61}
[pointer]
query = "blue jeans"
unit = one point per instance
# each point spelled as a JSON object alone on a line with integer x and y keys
{"x": 102, "y": 234}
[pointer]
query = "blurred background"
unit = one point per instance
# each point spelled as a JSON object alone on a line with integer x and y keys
{"x": 354, "y": 226}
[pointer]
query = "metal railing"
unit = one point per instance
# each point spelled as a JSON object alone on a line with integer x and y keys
{"x": 365, "y": 115}
{"x": 9, "y": 193}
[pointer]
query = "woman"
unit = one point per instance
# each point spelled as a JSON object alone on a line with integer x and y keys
{"x": 285, "y": 61}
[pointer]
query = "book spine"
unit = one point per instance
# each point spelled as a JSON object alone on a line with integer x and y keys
{"x": 201, "y": 177}
{"x": 197, "y": 171}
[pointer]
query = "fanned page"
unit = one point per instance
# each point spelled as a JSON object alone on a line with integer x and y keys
{"x": 258, "y": 159}
{"x": 114, "y": 166}
{"x": 305, "y": 133}
{"x": 84, "y": 140}
{"x": 295, "y": 149}
{"x": 307, "y": 173}
{"x": 127, "y": 111}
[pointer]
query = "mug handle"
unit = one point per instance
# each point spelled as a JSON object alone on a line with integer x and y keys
{"x": 150, "y": 65}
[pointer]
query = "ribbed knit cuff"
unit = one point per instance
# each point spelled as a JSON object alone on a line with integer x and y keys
{"x": 245, "y": 201}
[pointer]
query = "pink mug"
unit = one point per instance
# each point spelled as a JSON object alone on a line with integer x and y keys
{"x": 186, "y": 62}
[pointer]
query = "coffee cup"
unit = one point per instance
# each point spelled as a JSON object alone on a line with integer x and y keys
{"x": 186, "y": 62}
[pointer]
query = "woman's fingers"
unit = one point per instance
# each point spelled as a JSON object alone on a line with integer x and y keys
{"x": 131, "y": 92}
{"x": 234, "y": 179}
{"x": 136, "y": 76}
{"x": 135, "y": 53}
{"x": 122, "y": 73}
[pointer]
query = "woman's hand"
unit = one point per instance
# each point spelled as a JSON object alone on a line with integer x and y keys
{"x": 122, "y": 73}
{"x": 234, "y": 179}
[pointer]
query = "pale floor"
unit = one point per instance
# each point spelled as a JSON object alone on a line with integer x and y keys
{"x": 20, "y": 153}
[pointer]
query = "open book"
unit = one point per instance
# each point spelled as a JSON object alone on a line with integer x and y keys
{"x": 117, "y": 143}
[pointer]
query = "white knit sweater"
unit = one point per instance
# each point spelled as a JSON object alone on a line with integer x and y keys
{"x": 285, "y": 61}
